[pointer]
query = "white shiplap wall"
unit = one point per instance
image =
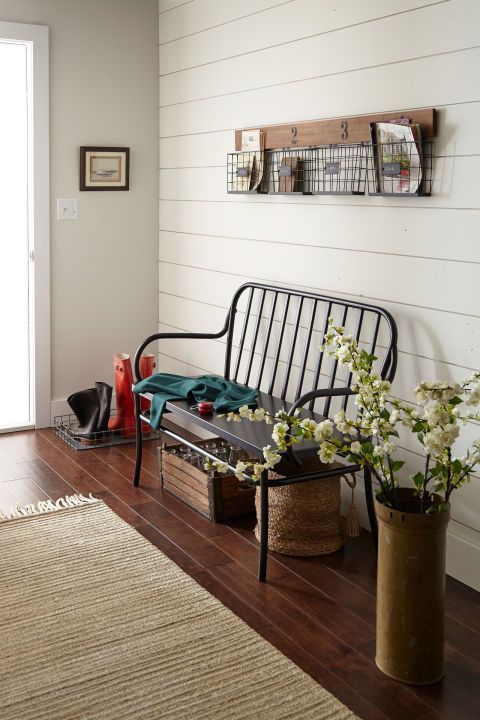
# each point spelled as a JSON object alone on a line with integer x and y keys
{"x": 226, "y": 65}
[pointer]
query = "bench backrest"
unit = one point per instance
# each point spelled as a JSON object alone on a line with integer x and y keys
{"x": 274, "y": 338}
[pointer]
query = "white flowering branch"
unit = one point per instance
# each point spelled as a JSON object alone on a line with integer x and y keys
{"x": 368, "y": 440}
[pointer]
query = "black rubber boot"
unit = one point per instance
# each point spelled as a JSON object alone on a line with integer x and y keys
{"x": 105, "y": 398}
{"x": 86, "y": 406}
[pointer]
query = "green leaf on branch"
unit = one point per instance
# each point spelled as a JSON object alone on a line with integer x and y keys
{"x": 455, "y": 401}
{"x": 456, "y": 466}
{"x": 417, "y": 480}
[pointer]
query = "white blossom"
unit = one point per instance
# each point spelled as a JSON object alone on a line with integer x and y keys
{"x": 233, "y": 417}
{"x": 258, "y": 469}
{"x": 259, "y": 414}
{"x": 280, "y": 429}
{"x": 341, "y": 421}
{"x": 221, "y": 467}
{"x": 272, "y": 458}
{"x": 240, "y": 469}
{"x": 394, "y": 416}
{"x": 441, "y": 391}
{"x": 436, "y": 414}
{"x": 438, "y": 439}
{"x": 244, "y": 411}
{"x": 323, "y": 430}
{"x": 326, "y": 453}
{"x": 474, "y": 395}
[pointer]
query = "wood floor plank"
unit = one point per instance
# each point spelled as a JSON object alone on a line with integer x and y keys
{"x": 130, "y": 515}
{"x": 450, "y": 694}
{"x": 9, "y": 470}
{"x": 7, "y": 500}
{"x": 197, "y": 546}
{"x": 317, "y": 604}
{"x": 19, "y": 446}
{"x": 26, "y": 492}
{"x": 357, "y": 600}
{"x": 113, "y": 481}
{"x": 181, "y": 558}
{"x": 253, "y": 618}
{"x": 47, "y": 479}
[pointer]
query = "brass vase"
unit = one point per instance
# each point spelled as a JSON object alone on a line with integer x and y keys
{"x": 411, "y": 591}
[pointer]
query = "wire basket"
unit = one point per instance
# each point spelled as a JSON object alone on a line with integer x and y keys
{"x": 246, "y": 172}
{"x": 288, "y": 171}
{"x": 65, "y": 426}
{"x": 338, "y": 170}
{"x": 400, "y": 168}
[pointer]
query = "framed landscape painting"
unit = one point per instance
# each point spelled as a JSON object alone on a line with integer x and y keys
{"x": 104, "y": 168}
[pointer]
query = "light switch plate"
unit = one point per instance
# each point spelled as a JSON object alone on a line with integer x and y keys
{"x": 67, "y": 209}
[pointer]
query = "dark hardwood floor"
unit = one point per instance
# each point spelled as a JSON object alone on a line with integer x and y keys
{"x": 320, "y": 612}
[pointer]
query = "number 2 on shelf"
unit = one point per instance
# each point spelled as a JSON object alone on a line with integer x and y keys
{"x": 293, "y": 141}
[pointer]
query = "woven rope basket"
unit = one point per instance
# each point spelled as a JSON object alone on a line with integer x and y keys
{"x": 304, "y": 518}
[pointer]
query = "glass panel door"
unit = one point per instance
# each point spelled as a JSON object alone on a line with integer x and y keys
{"x": 15, "y": 326}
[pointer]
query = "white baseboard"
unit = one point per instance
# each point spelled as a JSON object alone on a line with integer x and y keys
{"x": 463, "y": 554}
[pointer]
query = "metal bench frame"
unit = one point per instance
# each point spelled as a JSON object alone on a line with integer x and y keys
{"x": 253, "y": 436}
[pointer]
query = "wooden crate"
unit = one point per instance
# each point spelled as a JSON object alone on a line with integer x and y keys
{"x": 217, "y": 497}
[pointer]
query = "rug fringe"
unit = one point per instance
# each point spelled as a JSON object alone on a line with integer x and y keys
{"x": 46, "y": 506}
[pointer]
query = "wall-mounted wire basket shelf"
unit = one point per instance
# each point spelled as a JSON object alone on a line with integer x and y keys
{"x": 65, "y": 426}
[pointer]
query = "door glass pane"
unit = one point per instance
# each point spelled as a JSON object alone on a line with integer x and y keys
{"x": 15, "y": 405}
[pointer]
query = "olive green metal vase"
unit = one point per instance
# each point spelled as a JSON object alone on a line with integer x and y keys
{"x": 411, "y": 591}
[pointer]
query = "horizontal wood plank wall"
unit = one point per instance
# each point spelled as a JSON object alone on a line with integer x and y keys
{"x": 226, "y": 65}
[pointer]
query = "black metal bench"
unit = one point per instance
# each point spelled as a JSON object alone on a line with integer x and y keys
{"x": 273, "y": 336}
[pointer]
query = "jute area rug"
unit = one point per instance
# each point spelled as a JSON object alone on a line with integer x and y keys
{"x": 96, "y": 623}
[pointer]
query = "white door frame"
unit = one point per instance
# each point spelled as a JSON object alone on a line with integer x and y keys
{"x": 36, "y": 39}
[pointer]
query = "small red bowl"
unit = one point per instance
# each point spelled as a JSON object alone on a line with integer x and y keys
{"x": 205, "y": 407}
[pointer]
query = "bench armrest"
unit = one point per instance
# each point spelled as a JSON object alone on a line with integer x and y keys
{"x": 303, "y": 399}
{"x": 313, "y": 394}
{"x": 171, "y": 336}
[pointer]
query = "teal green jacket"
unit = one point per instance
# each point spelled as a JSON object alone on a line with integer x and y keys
{"x": 225, "y": 395}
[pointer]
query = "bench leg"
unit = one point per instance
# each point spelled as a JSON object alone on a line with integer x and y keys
{"x": 262, "y": 565}
{"x": 139, "y": 442}
{"x": 370, "y": 505}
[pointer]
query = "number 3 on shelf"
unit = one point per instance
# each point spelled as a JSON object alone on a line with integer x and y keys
{"x": 344, "y": 126}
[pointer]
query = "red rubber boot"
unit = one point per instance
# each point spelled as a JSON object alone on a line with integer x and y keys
{"x": 124, "y": 419}
{"x": 146, "y": 367}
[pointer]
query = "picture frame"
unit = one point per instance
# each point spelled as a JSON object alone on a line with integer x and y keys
{"x": 104, "y": 168}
